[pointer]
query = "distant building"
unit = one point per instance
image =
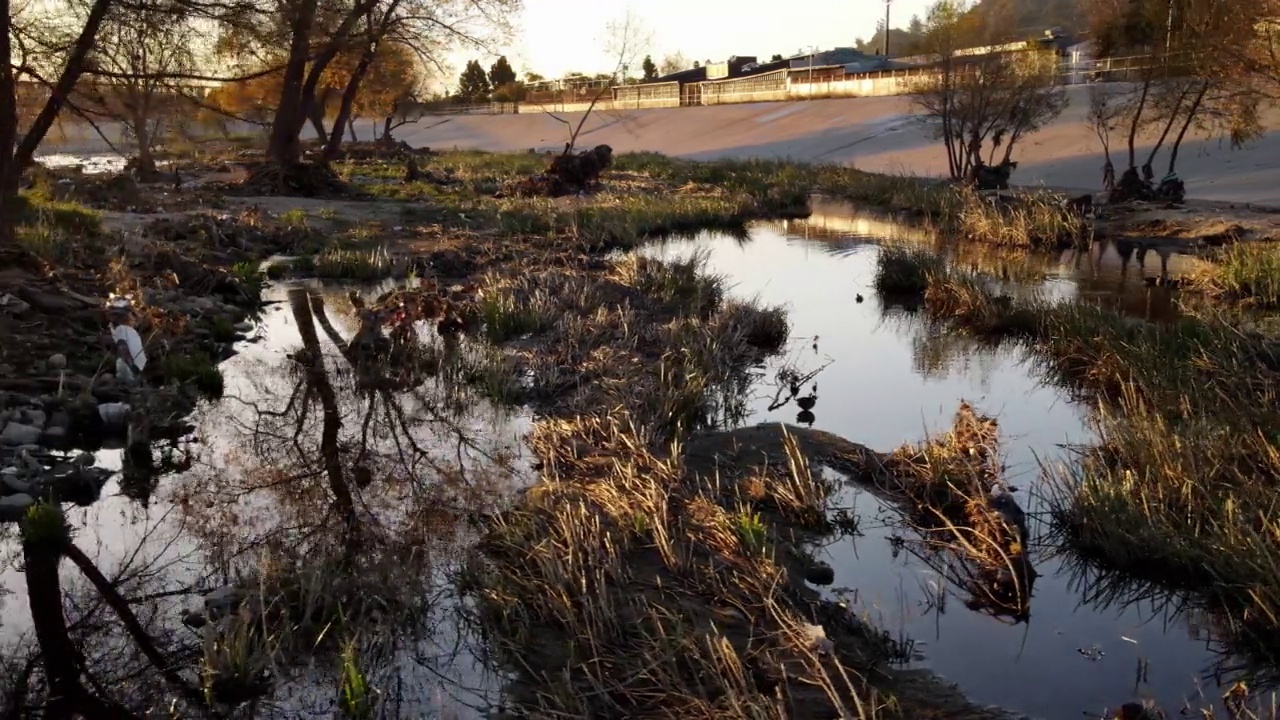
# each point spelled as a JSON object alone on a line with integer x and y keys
{"x": 828, "y": 58}
{"x": 729, "y": 68}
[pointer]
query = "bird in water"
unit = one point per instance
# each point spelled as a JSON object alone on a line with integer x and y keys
{"x": 1003, "y": 502}
{"x": 858, "y": 297}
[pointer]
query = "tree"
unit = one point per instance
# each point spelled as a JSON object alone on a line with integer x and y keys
{"x": 1188, "y": 78}
{"x": 18, "y": 151}
{"x": 473, "y": 84}
{"x": 627, "y": 39}
{"x": 304, "y": 37}
{"x": 137, "y": 55}
{"x": 916, "y": 26}
{"x": 500, "y": 73}
{"x": 777, "y": 57}
{"x": 673, "y": 63}
{"x": 533, "y": 77}
{"x": 980, "y": 105}
{"x": 650, "y": 70}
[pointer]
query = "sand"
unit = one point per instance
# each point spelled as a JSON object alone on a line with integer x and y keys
{"x": 877, "y": 134}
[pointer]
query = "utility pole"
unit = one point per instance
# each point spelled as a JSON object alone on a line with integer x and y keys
{"x": 887, "y": 3}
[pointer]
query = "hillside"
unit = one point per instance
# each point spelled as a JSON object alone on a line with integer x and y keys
{"x": 1018, "y": 18}
{"x": 1034, "y": 16}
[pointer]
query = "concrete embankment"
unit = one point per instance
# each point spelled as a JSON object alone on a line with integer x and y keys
{"x": 878, "y": 134}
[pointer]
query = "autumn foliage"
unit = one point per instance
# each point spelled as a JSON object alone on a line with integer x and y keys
{"x": 392, "y": 79}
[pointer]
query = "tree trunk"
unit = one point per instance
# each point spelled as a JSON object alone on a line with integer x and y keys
{"x": 1186, "y": 125}
{"x": 9, "y": 172}
{"x": 315, "y": 113}
{"x": 120, "y": 606}
{"x": 351, "y": 127}
{"x": 300, "y": 82}
{"x": 349, "y": 93}
{"x": 318, "y": 378}
{"x": 387, "y": 128}
{"x": 1164, "y": 134}
{"x": 1136, "y": 121}
{"x": 284, "y": 148}
{"x": 63, "y": 661}
{"x": 61, "y": 90}
{"x": 145, "y": 162}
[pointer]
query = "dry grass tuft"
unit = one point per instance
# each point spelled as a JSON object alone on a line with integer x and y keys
{"x": 625, "y": 586}
{"x": 1243, "y": 271}
{"x": 948, "y": 484}
{"x": 1180, "y": 489}
{"x": 1030, "y": 220}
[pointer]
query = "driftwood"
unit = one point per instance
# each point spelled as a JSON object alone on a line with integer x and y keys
{"x": 568, "y": 174}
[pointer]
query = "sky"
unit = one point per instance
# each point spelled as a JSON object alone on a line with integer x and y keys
{"x": 554, "y": 37}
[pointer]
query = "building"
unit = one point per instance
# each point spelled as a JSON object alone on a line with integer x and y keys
{"x": 829, "y": 58}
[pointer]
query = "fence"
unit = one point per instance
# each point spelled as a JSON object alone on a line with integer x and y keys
{"x": 756, "y": 88}
{"x": 801, "y": 84}
{"x": 649, "y": 95}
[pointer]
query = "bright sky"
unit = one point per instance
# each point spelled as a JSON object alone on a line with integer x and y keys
{"x": 558, "y": 36}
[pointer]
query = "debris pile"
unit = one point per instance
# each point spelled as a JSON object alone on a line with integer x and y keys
{"x": 569, "y": 174}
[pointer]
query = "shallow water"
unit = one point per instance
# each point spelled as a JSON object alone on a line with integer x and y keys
{"x": 257, "y": 487}
{"x": 892, "y": 379}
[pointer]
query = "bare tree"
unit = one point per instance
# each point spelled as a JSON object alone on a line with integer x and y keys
{"x": 979, "y": 106}
{"x": 627, "y": 41}
{"x": 140, "y": 51}
{"x": 1187, "y": 77}
{"x": 673, "y": 63}
{"x": 1106, "y": 114}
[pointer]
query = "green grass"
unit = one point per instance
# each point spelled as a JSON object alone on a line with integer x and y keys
{"x": 338, "y": 264}
{"x": 197, "y": 369}
{"x": 37, "y": 210}
{"x": 504, "y": 319}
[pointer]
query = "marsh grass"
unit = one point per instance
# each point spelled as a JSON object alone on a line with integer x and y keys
{"x": 197, "y": 369}
{"x": 905, "y": 270}
{"x": 1180, "y": 485}
{"x": 1243, "y": 271}
{"x": 647, "y": 194}
{"x": 346, "y": 264}
{"x": 1027, "y": 220}
{"x": 571, "y": 572}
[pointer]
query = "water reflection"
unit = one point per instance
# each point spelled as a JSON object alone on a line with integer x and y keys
{"x": 896, "y": 377}
{"x": 315, "y": 536}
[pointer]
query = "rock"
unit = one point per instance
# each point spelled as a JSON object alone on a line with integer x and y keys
{"x": 11, "y": 484}
{"x": 13, "y": 305}
{"x": 14, "y": 507}
{"x": 85, "y": 460}
{"x": 58, "y": 361}
{"x": 16, "y": 433}
{"x": 194, "y": 619}
{"x": 59, "y": 419}
{"x": 54, "y": 434}
{"x": 35, "y": 418}
{"x": 222, "y": 602}
{"x": 26, "y": 401}
{"x": 113, "y": 414}
{"x": 243, "y": 327}
{"x": 820, "y": 574}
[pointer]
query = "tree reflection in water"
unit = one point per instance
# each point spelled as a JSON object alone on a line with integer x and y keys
{"x": 335, "y": 520}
